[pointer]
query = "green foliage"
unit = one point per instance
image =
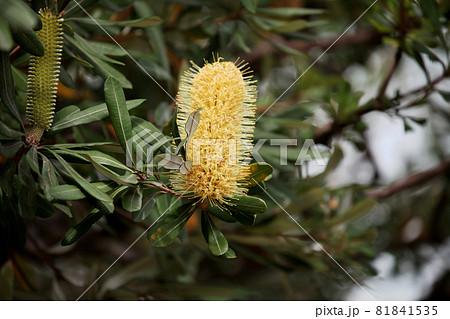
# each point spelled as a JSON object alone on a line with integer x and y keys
{"x": 92, "y": 174}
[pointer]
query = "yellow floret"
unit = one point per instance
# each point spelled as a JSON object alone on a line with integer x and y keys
{"x": 221, "y": 143}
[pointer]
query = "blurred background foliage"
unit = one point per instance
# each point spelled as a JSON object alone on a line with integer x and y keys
{"x": 376, "y": 104}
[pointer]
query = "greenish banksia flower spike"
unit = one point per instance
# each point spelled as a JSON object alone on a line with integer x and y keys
{"x": 43, "y": 73}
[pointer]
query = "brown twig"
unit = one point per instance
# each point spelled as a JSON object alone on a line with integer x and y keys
{"x": 167, "y": 190}
{"x": 378, "y": 103}
{"x": 411, "y": 181}
{"x": 324, "y": 133}
{"x": 14, "y": 51}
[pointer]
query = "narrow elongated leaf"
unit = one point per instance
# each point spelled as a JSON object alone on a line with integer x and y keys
{"x": 6, "y": 41}
{"x": 7, "y": 132}
{"x": 7, "y": 87}
{"x": 67, "y": 192}
{"x": 146, "y": 208}
{"x": 291, "y": 26}
{"x": 83, "y": 145}
{"x": 132, "y": 200}
{"x": 76, "y": 232}
{"x": 101, "y": 158}
{"x": 47, "y": 177}
{"x": 140, "y": 125}
{"x": 69, "y": 116}
{"x": 9, "y": 148}
{"x": 104, "y": 69}
{"x": 110, "y": 49}
{"x": 103, "y": 207}
{"x": 88, "y": 187}
{"x": 128, "y": 178}
{"x": 165, "y": 234}
{"x": 30, "y": 42}
{"x": 136, "y": 23}
{"x": 120, "y": 118}
{"x": 66, "y": 79}
{"x": 65, "y": 209}
{"x": 250, "y": 5}
{"x": 98, "y": 54}
{"x": 289, "y": 11}
{"x": 217, "y": 242}
{"x": 32, "y": 159}
{"x": 154, "y": 34}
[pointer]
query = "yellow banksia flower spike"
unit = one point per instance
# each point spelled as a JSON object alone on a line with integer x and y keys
{"x": 220, "y": 147}
{"x": 43, "y": 73}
